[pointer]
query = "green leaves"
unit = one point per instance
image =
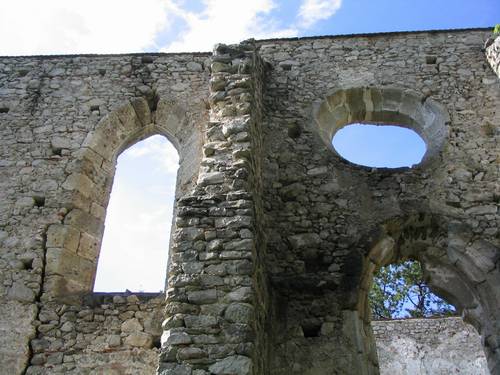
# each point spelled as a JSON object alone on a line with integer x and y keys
{"x": 399, "y": 291}
{"x": 496, "y": 29}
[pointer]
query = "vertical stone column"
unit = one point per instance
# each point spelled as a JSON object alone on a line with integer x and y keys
{"x": 216, "y": 294}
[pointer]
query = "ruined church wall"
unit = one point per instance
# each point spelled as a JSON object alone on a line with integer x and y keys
{"x": 429, "y": 347}
{"x": 320, "y": 209}
{"x": 53, "y": 199}
{"x": 275, "y": 236}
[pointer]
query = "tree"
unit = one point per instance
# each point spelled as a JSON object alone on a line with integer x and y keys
{"x": 399, "y": 291}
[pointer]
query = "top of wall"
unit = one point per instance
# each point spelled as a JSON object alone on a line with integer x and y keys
{"x": 262, "y": 41}
{"x": 376, "y": 34}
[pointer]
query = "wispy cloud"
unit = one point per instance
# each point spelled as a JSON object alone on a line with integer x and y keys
{"x": 227, "y": 21}
{"x": 90, "y": 26}
{"x": 312, "y": 11}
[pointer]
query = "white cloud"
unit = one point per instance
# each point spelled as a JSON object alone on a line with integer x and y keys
{"x": 159, "y": 149}
{"x": 71, "y": 26}
{"x": 312, "y": 11}
{"x": 227, "y": 21}
{"x": 134, "y": 250}
{"x": 118, "y": 26}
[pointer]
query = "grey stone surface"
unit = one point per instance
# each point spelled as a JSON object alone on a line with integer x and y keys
{"x": 234, "y": 365}
{"x": 429, "y": 347}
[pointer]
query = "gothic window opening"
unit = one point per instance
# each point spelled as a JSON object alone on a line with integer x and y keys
{"x": 134, "y": 248}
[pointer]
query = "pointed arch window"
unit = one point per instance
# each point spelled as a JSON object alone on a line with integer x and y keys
{"x": 135, "y": 244}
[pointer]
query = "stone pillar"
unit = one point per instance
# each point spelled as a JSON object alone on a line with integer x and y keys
{"x": 215, "y": 294}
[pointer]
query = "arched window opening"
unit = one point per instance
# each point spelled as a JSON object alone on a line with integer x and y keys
{"x": 134, "y": 248}
{"x": 400, "y": 291}
{"x": 416, "y": 329}
{"x": 381, "y": 146}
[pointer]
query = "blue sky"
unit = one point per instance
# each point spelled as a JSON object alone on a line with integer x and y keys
{"x": 379, "y": 146}
{"x": 139, "y": 216}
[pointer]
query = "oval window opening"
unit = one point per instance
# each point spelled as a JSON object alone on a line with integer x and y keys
{"x": 380, "y": 146}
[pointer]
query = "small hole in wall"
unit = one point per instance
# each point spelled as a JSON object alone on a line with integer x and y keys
{"x": 94, "y": 108}
{"x": 27, "y": 263}
{"x": 430, "y": 59}
{"x": 39, "y": 201}
{"x": 4, "y": 109}
{"x": 311, "y": 329}
{"x": 157, "y": 342}
{"x": 147, "y": 59}
{"x": 56, "y": 151}
{"x": 153, "y": 101}
{"x": 294, "y": 130}
{"x": 102, "y": 72}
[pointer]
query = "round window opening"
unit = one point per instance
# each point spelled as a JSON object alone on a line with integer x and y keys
{"x": 380, "y": 127}
{"x": 379, "y": 146}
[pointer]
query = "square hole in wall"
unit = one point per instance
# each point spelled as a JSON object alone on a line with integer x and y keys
{"x": 430, "y": 60}
{"x": 39, "y": 200}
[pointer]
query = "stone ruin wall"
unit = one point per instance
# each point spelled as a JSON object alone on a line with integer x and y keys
{"x": 321, "y": 209}
{"x": 275, "y": 237}
{"x": 436, "y": 346}
{"x": 55, "y": 185}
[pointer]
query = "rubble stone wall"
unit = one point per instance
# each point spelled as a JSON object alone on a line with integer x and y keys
{"x": 276, "y": 237}
{"x": 429, "y": 346}
{"x": 106, "y": 334}
{"x": 331, "y": 224}
{"x": 64, "y": 120}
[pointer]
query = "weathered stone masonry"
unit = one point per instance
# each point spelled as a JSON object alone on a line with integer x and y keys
{"x": 276, "y": 237}
{"x": 428, "y": 347}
